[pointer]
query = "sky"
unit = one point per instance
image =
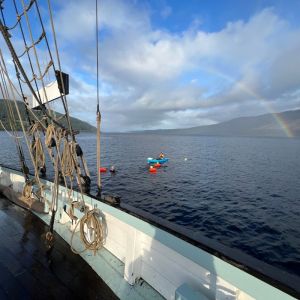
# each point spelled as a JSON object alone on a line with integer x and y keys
{"x": 176, "y": 64}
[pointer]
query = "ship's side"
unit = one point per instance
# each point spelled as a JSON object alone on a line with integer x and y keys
{"x": 140, "y": 260}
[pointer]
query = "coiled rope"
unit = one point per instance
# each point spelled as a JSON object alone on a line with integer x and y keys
{"x": 27, "y": 190}
{"x": 90, "y": 221}
{"x": 37, "y": 147}
{"x": 38, "y": 152}
{"x": 67, "y": 160}
{"x": 27, "y": 193}
{"x": 50, "y": 140}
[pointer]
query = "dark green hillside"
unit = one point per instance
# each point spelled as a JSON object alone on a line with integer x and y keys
{"x": 77, "y": 124}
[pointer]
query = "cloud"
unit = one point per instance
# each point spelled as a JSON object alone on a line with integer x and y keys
{"x": 77, "y": 19}
{"x": 154, "y": 78}
{"x": 256, "y": 61}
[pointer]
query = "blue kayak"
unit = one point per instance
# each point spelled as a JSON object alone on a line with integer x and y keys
{"x": 151, "y": 160}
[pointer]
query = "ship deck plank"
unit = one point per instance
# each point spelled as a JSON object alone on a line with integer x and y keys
{"x": 29, "y": 271}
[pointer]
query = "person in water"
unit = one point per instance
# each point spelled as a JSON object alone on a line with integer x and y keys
{"x": 161, "y": 155}
{"x": 112, "y": 169}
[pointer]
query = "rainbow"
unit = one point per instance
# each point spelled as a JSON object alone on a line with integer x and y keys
{"x": 280, "y": 121}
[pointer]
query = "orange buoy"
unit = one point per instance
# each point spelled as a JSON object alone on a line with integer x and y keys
{"x": 103, "y": 170}
{"x": 152, "y": 170}
{"x": 157, "y": 165}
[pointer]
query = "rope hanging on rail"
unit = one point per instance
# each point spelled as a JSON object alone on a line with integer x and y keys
{"x": 38, "y": 153}
{"x": 67, "y": 160}
{"x": 91, "y": 232}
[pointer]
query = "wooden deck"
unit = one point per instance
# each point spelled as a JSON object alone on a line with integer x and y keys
{"x": 28, "y": 271}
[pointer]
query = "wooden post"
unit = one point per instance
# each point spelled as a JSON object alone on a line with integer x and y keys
{"x": 98, "y": 152}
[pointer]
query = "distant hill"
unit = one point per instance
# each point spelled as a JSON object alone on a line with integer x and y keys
{"x": 268, "y": 125}
{"x": 76, "y": 123}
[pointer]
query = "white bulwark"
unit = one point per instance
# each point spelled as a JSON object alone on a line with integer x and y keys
{"x": 142, "y": 261}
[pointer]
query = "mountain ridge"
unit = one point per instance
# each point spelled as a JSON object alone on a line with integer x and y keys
{"x": 282, "y": 124}
{"x": 77, "y": 124}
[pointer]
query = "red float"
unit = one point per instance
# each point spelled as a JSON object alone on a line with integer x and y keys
{"x": 103, "y": 170}
{"x": 157, "y": 165}
{"x": 152, "y": 170}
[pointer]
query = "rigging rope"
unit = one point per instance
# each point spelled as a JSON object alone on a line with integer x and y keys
{"x": 27, "y": 192}
{"x": 36, "y": 55}
{"x": 97, "y": 51}
{"x": 3, "y": 66}
{"x": 22, "y": 97}
{"x": 64, "y": 99}
{"x": 89, "y": 223}
{"x": 28, "y": 54}
{"x": 20, "y": 67}
{"x": 42, "y": 76}
{"x": 1, "y": 9}
{"x": 11, "y": 118}
{"x": 11, "y": 135}
{"x": 50, "y": 136}
{"x": 56, "y": 165}
{"x": 38, "y": 153}
{"x": 34, "y": 44}
{"x": 98, "y": 118}
{"x": 69, "y": 161}
{"x": 19, "y": 17}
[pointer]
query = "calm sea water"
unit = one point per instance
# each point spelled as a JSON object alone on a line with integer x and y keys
{"x": 242, "y": 192}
